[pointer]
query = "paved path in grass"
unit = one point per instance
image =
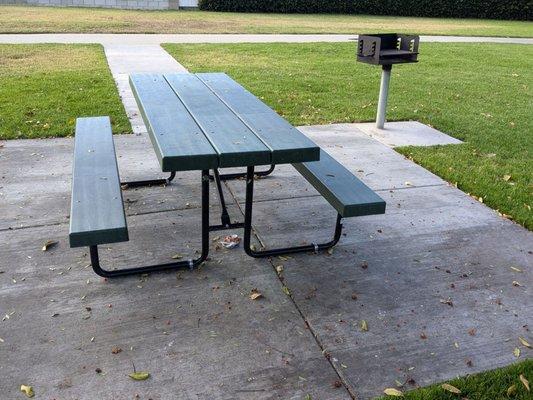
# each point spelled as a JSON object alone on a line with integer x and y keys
{"x": 126, "y": 59}
{"x": 142, "y": 39}
{"x": 432, "y": 278}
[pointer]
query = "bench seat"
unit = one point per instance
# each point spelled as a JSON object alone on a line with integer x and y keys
{"x": 342, "y": 189}
{"x": 97, "y": 211}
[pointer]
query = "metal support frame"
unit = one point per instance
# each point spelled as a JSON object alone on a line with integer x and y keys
{"x": 238, "y": 175}
{"x": 383, "y": 96}
{"x": 150, "y": 182}
{"x": 206, "y": 228}
{"x": 95, "y": 261}
{"x": 280, "y": 251}
{"x": 224, "y": 216}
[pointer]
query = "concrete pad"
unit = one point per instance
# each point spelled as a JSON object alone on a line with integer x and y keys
{"x": 435, "y": 245}
{"x": 36, "y": 180}
{"x": 198, "y": 333}
{"x": 377, "y": 165}
{"x": 407, "y": 133}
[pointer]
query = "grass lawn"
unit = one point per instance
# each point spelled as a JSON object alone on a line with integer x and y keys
{"x": 44, "y": 88}
{"x": 479, "y": 93}
{"x": 492, "y": 385}
{"x": 26, "y": 19}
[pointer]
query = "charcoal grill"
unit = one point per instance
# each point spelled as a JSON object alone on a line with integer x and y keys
{"x": 386, "y": 49}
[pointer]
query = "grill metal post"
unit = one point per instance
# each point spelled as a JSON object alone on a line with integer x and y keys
{"x": 383, "y": 96}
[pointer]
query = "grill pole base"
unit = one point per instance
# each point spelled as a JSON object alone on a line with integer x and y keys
{"x": 383, "y": 96}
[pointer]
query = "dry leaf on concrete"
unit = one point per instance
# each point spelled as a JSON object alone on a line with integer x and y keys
{"x": 49, "y": 244}
{"x": 524, "y": 342}
{"x": 255, "y": 294}
{"x": 27, "y": 390}
{"x": 139, "y": 376}
{"x": 364, "y": 326}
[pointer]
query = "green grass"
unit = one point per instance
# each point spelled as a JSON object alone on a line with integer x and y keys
{"x": 491, "y": 385}
{"x": 27, "y": 19}
{"x": 479, "y": 93}
{"x": 44, "y": 88}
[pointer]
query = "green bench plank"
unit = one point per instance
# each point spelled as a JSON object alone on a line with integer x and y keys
{"x": 343, "y": 190}
{"x": 287, "y": 143}
{"x": 179, "y": 143}
{"x": 97, "y": 212}
{"x": 234, "y": 142}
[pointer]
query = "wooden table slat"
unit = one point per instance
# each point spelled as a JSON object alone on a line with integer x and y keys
{"x": 178, "y": 141}
{"x": 287, "y": 143}
{"x": 234, "y": 142}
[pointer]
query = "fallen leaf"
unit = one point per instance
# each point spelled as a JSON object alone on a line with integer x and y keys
{"x": 49, "y": 244}
{"x": 524, "y": 381}
{"x": 279, "y": 269}
{"x": 506, "y": 178}
{"x": 393, "y": 392}
{"x": 516, "y": 352}
{"x": 516, "y": 269}
{"x": 139, "y": 376}
{"x": 364, "y": 326}
{"x": 176, "y": 256}
{"x": 27, "y": 390}
{"x": 511, "y": 390}
{"x": 255, "y": 294}
{"x": 516, "y": 283}
{"x": 524, "y": 342}
{"x": 286, "y": 290}
{"x": 330, "y": 251}
{"x": 450, "y": 388}
{"x": 116, "y": 350}
{"x": 448, "y": 301}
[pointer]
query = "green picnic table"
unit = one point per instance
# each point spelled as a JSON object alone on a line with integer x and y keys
{"x": 202, "y": 122}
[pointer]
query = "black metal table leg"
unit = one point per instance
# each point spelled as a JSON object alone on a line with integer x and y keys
{"x": 95, "y": 262}
{"x": 224, "y": 217}
{"x": 150, "y": 182}
{"x": 238, "y": 175}
{"x": 280, "y": 251}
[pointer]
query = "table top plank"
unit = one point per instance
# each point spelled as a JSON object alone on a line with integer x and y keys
{"x": 178, "y": 141}
{"x": 287, "y": 143}
{"x": 234, "y": 142}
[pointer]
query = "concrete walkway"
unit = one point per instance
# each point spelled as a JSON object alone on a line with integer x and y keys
{"x": 126, "y": 59}
{"x": 144, "y": 39}
{"x": 432, "y": 278}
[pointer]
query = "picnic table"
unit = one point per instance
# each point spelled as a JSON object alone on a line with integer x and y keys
{"x": 201, "y": 122}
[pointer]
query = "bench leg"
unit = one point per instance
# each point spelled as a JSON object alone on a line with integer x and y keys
{"x": 281, "y": 251}
{"x": 238, "y": 175}
{"x": 150, "y": 182}
{"x": 95, "y": 262}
